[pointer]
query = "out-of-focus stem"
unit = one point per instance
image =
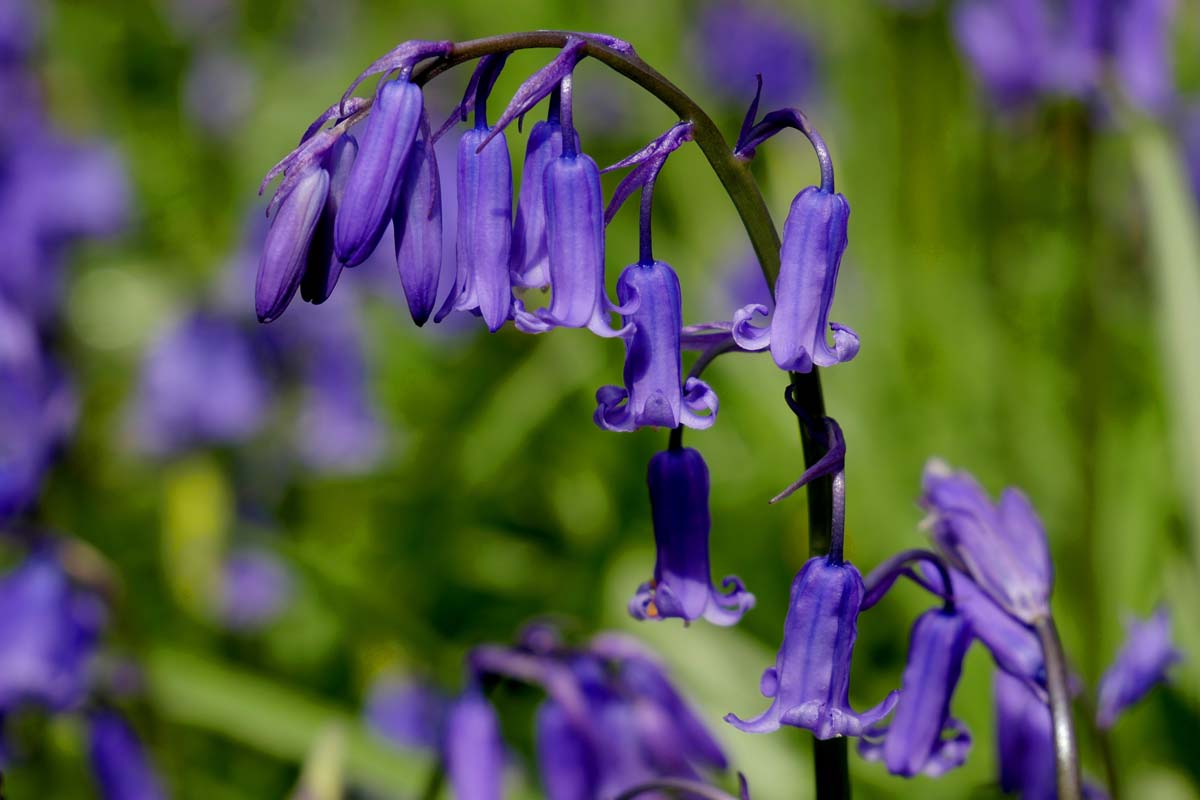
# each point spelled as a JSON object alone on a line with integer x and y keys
{"x": 1066, "y": 751}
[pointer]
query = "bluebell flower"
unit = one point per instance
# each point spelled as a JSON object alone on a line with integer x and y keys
{"x": 1001, "y": 546}
{"x": 384, "y": 147}
{"x": 1141, "y": 663}
{"x": 119, "y": 762}
{"x": 473, "y": 750}
{"x": 50, "y": 629}
{"x": 567, "y": 761}
{"x": 736, "y": 40}
{"x": 915, "y": 742}
{"x": 814, "y": 238}
{"x": 682, "y": 587}
{"x": 417, "y": 226}
{"x": 321, "y": 266}
{"x": 1141, "y": 37}
{"x": 256, "y": 587}
{"x": 654, "y": 393}
{"x": 809, "y": 685}
{"x": 530, "y": 256}
{"x": 1024, "y": 740}
{"x": 285, "y": 252}
{"x": 202, "y": 383}
{"x": 407, "y": 712}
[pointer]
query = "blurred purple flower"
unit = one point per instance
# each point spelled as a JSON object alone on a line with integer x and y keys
{"x": 1141, "y": 664}
{"x": 202, "y": 384}
{"x": 1001, "y": 546}
{"x": 20, "y": 28}
{"x": 50, "y": 629}
{"x": 1025, "y": 747}
{"x": 739, "y": 39}
{"x": 474, "y": 752}
{"x": 119, "y": 761}
{"x": 407, "y": 712}
{"x": 1139, "y": 41}
{"x": 256, "y": 587}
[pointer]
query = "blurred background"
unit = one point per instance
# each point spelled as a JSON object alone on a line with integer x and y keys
{"x": 297, "y": 521}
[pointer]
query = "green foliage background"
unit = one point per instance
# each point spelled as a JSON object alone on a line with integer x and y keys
{"x": 1021, "y": 316}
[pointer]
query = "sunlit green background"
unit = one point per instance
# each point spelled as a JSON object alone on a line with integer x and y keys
{"x": 1022, "y": 315}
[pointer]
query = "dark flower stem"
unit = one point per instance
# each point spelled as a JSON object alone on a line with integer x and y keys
{"x": 1066, "y": 752}
{"x": 831, "y": 768}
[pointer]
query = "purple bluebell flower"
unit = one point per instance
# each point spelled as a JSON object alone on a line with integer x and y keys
{"x": 20, "y": 29}
{"x": 1024, "y": 740}
{"x": 37, "y": 410}
{"x": 530, "y": 256}
{"x": 256, "y": 587}
{"x": 473, "y": 750}
{"x": 915, "y": 741}
{"x": 407, "y": 712}
{"x": 202, "y": 383}
{"x": 482, "y": 284}
{"x": 737, "y": 40}
{"x": 682, "y": 587}
{"x": 387, "y": 139}
{"x": 810, "y": 682}
{"x": 814, "y": 238}
{"x": 654, "y": 393}
{"x": 119, "y": 762}
{"x": 285, "y": 252}
{"x": 566, "y": 759}
{"x": 417, "y": 226}
{"x": 1001, "y": 546}
{"x": 322, "y": 267}
{"x": 575, "y": 245}
{"x": 50, "y": 628}
{"x": 1141, "y": 663}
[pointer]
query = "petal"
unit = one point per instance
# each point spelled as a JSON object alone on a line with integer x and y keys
{"x": 747, "y": 336}
{"x": 698, "y": 396}
{"x": 285, "y": 250}
{"x": 417, "y": 227}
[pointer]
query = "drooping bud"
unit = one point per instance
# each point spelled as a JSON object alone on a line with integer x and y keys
{"x": 1142, "y": 663}
{"x": 653, "y": 394}
{"x": 530, "y": 257}
{"x": 285, "y": 250}
{"x": 387, "y": 139}
{"x": 682, "y": 586}
{"x": 322, "y": 270}
{"x": 914, "y": 742}
{"x": 119, "y": 761}
{"x": 417, "y": 226}
{"x": 473, "y": 749}
{"x": 810, "y": 682}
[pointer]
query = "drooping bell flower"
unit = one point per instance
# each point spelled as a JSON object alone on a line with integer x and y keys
{"x": 1024, "y": 740}
{"x": 566, "y": 760}
{"x": 473, "y": 750}
{"x": 809, "y": 685}
{"x": 50, "y": 628}
{"x": 119, "y": 761}
{"x": 915, "y": 741}
{"x": 417, "y": 227}
{"x": 681, "y": 587}
{"x": 653, "y": 393}
{"x": 530, "y": 265}
{"x": 1141, "y": 663}
{"x": 386, "y": 142}
{"x": 1002, "y": 546}
{"x": 323, "y": 268}
{"x": 285, "y": 251}
{"x": 1142, "y": 32}
{"x": 814, "y": 238}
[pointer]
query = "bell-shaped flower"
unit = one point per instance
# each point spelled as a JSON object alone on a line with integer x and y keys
{"x": 1024, "y": 740}
{"x": 653, "y": 393}
{"x": 566, "y": 759}
{"x": 575, "y": 246}
{"x": 387, "y": 139}
{"x": 678, "y": 480}
{"x": 119, "y": 761}
{"x": 408, "y": 712}
{"x": 1001, "y": 546}
{"x": 50, "y": 628}
{"x": 323, "y": 268}
{"x": 482, "y": 284}
{"x": 530, "y": 257}
{"x": 814, "y": 238}
{"x": 417, "y": 226}
{"x": 922, "y": 738}
{"x": 1141, "y": 663}
{"x": 810, "y": 682}
{"x": 285, "y": 251}
{"x": 473, "y": 749}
